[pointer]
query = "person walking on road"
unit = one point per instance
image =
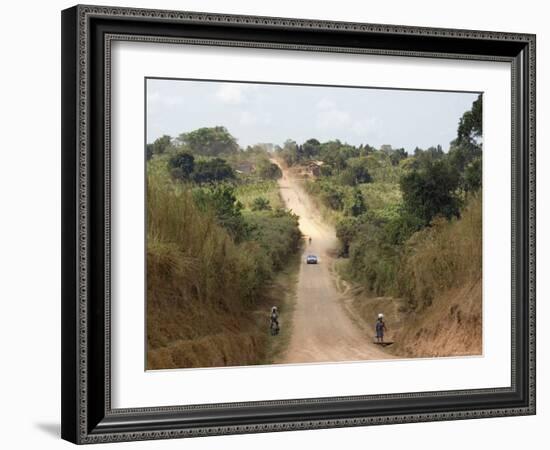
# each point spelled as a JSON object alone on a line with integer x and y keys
{"x": 380, "y": 328}
{"x": 274, "y": 321}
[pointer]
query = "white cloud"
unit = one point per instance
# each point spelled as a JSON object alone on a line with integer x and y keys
{"x": 230, "y": 93}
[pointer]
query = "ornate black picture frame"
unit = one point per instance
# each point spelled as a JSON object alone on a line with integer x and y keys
{"x": 87, "y": 34}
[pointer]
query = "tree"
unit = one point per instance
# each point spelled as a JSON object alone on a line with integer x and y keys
{"x": 332, "y": 197}
{"x": 355, "y": 205}
{"x": 161, "y": 145}
{"x": 209, "y": 141}
{"x": 473, "y": 176}
{"x": 386, "y": 148}
{"x": 467, "y": 147}
{"x": 431, "y": 191}
{"x": 397, "y": 155}
{"x": 335, "y": 153}
{"x": 183, "y": 164}
{"x": 221, "y": 199}
{"x": 470, "y": 126}
{"x": 289, "y": 152}
{"x": 326, "y": 170}
{"x": 310, "y": 149}
{"x": 365, "y": 150}
{"x": 424, "y": 158}
{"x": 207, "y": 171}
{"x": 330, "y": 154}
{"x": 346, "y": 230}
{"x": 356, "y": 172}
{"x": 148, "y": 151}
{"x": 401, "y": 227}
{"x": 462, "y": 155}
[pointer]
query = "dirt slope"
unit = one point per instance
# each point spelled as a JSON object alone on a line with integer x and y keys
{"x": 451, "y": 326}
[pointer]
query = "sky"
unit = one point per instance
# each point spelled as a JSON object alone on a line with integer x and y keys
{"x": 272, "y": 113}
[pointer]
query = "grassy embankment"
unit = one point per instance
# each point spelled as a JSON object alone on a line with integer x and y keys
{"x": 208, "y": 293}
{"x": 434, "y": 307}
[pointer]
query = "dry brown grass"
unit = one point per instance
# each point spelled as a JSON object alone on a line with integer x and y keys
{"x": 451, "y": 326}
{"x": 202, "y": 288}
{"x": 445, "y": 256}
{"x": 214, "y": 350}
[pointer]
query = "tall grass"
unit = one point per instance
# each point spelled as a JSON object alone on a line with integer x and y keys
{"x": 438, "y": 257}
{"x": 202, "y": 287}
{"x": 443, "y": 256}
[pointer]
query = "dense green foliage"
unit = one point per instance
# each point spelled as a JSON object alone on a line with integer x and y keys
{"x": 472, "y": 176}
{"x": 209, "y": 141}
{"x": 212, "y": 170}
{"x": 356, "y": 172}
{"x": 470, "y": 127}
{"x": 381, "y": 200}
{"x": 277, "y": 233}
{"x": 185, "y": 168}
{"x": 182, "y": 165}
{"x": 431, "y": 191}
{"x": 159, "y": 146}
{"x": 221, "y": 200}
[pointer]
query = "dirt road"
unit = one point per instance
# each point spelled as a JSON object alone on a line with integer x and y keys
{"x": 321, "y": 329}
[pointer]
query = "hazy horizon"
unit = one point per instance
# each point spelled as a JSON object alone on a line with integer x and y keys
{"x": 272, "y": 113}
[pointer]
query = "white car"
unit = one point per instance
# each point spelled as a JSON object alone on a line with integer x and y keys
{"x": 311, "y": 259}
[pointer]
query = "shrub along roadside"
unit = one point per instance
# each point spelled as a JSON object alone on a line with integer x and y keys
{"x": 418, "y": 268}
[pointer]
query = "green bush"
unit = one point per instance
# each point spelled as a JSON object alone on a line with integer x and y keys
{"x": 355, "y": 204}
{"x": 221, "y": 200}
{"x": 212, "y": 170}
{"x": 346, "y": 231}
{"x": 182, "y": 165}
{"x": 260, "y": 204}
{"x": 277, "y": 233}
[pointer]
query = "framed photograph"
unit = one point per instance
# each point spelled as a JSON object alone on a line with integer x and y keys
{"x": 276, "y": 224}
